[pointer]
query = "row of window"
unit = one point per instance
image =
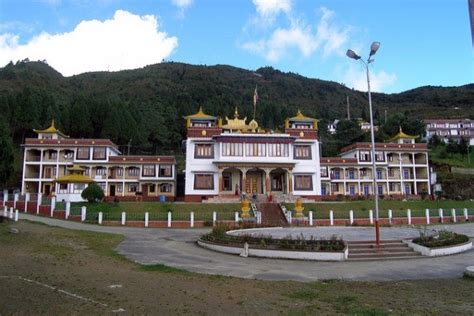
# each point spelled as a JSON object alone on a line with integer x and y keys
{"x": 252, "y": 150}
{"x": 366, "y": 189}
{"x": 206, "y": 182}
{"x": 351, "y": 174}
{"x": 147, "y": 171}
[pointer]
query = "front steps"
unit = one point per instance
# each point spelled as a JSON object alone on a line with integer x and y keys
{"x": 387, "y": 250}
{"x": 272, "y": 215}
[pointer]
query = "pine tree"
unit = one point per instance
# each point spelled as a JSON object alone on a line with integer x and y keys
{"x": 6, "y": 153}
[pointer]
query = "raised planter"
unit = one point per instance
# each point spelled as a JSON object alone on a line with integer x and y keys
{"x": 277, "y": 253}
{"x": 439, "y": 251}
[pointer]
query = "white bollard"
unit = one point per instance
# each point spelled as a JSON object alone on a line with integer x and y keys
{"x": 83, "y": 213}
{"x": 236, "y": 217}
{"x": 15, "y": 199}
{"x": 53, "y": 204}
{"x": 466, "y": 215}
{"x": 5, "y": 197}
{"x": 390, "y": 216}
{"x": 441, "y": 217}
{"x": 147, "y": 218}
{"x": 169, "y": 219}
{"x": 331, "y": 217}
{"x": 27, "y": 199}
{"x": 11, "y": 212}
{"x": 409, "y": 216}
{"x": 351, "y": 217}
{"x": 214, "y": 218}
{"x": 427, "y": 214}
{"x": 124, "y": 219}
{"x": 38, "y": 203}
{"x": 16, "y": 215}
{"x": 371, "y": 217}
{"x": 51, "y": 212}
{"x": 68, "y": 209}
{"x": 5, "y": 211}
{"x": 259, "y": 217}
{"x": 453, "y": 214}
{"x": 310, "y": 218}
{"x": 100, "y": 218}
{"x": 191, "y": 219}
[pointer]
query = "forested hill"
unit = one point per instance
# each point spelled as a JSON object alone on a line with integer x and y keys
{"x": 146, "y": 106}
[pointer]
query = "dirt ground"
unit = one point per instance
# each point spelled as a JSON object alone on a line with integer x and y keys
{"x": 46, "y": 270}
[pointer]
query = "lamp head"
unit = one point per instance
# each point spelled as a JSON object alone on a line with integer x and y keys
{"x": 374, "y": 47}
{"x": 351, "y": 54}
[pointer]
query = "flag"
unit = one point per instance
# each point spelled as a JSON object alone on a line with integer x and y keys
{"x": 255, "y": 99}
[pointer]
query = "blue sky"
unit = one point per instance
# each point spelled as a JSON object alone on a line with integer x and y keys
{"x": 423, "y": 42}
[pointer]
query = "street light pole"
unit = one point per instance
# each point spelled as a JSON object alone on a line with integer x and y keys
{"x": 351, "y": 54}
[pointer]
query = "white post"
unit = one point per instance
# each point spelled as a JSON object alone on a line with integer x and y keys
{"x": 124, "y": 219}
{"x": 38, "y": 203}
{"x": 371, "y": 217}
{"x": 169, "y": 219}
{"x": 15, "y": 199}
{"x": 390, "y": 216}
{"x": 331, "y": 217}
{"x": 427, "y": 213}
{"x": 83, "y": 213}
{"x": 310, "y": 218}
{"x": 409, "y": 216}
{"x": 11, "y": 212}
{"x": 147, "y": 217}
{"x": 191, "y": 219}
{"x": 351, "y": 217}
{"x": 53, "y": 204}
{"x": 466, "y": 215}
{"x": 453, "y": 214}
{"x": 27, "y": 199}
{"x": 16, "y": 215}
{"x": 236, "y": 217}
{"x": 68, "y": 209}
{"x": 214, "y": 218}
{"x": 290, "y": 217}
{"x": 5, "y": 211}
{"x": 100, "y": 218}
{"x": 441, "y": 217}
{"x": 5, "y": 197}
{"x": 259, "y": 217}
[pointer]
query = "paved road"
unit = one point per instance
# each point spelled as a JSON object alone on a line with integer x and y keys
{"x": 177, "y": 248}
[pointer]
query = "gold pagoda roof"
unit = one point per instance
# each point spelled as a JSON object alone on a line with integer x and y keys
{"x": 200, "y": 115}
{"x": 401, "y": 135}
{"x": 300, "y": 117}
{"x": 51, "y": 130}
{"x": 74, "y": 178}
{"x": 237, "y": 124}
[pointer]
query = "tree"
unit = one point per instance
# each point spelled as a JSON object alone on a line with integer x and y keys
{"x": 6, "y": 153}
{"x": 93, "y": 193}
{"x": 463, "y": 146}
{"x": 348, "y": 132}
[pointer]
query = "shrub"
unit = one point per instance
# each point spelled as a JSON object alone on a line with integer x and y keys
{"x": 93, "y": 193}
{"x": 440, "y": 238}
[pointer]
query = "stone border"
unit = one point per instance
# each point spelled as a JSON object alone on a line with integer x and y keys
{"x": 278, "y": 254}
{"x": 439, "y": 251}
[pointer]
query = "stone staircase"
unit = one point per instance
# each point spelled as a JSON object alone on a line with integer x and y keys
{"x": 272, "y": 215}
{"x": 387, "y": 250}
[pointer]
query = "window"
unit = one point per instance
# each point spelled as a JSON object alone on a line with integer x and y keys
{"x": 406, "y": 174}
{"x": 133, "y": 172}
{"x": 379, "y": 174}
{"x": 337, "y": 174}
{"x": 278, "y": 150}
{"x": 63, "y": 187}
{"x": 83, "y": 153}
{"x": 165, "y": 188}
{"x": 364, "y": 156}
{"x": 303, "y": 182}
{"x": 407, "y": 189}
{"x": 101, "y": 185}
{"x": 351, "y": 174}
{"x": 335, "y": 187}
{"x": 226, "y": 181}
{"x": 148, "y": 170}
{"x": 392, "y": 187}
{"x": 232, "y": 149}
{"x": 68, "y": 155}
{"x": 323, "y": 190}
{"x": 119, "y": 172}
{"x": 99, "y": 153}
{"x": 352, "y": 190}
{"x": 379, "y": 156}
{"x": 277, "y": 182}
{"x": 166, "y": 171}
{"x": 99, "y": 171}
{"x": 152, "y": 188}
{"x": 204, "y": 151}
{"x": 324, "y": 172}
{"x": 119, "y": 188}
{"x": 380, "y": 190}
{"x": 302, "y": 152}
{"x": 52, "y": 155}
{"x": 366, "y": 190}
{"x": 255, "y": 150}
{"x": 78, "y": 187}
{"x": 203, "y": 182}
{"x": 391, "y": 173}
{"x": 132, "y": 187}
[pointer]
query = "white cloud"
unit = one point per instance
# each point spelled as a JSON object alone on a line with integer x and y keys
{"x": 306, "y": 38}
{"x": 355, "y": 77}
{"x": 270, "y": 8}
{"x": 182, "y": 4}
{"x": 126, "y": 41}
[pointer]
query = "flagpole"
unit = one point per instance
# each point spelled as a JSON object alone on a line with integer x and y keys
{"x": 255, "y": 97}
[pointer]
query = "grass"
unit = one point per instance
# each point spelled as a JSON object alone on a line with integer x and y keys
{"x": 161, "y": 268}
{"x": 452, "y": 159}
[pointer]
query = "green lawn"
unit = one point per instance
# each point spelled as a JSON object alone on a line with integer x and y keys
{"x": 203, "y": 211}
{"x": 456, "y": 160}
{"x": 156, "y": 210}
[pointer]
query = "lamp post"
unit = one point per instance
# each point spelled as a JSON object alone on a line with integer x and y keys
{"x": 351, "y": 54}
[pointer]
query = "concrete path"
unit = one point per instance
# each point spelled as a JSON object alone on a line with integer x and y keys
{"x": 177, "y": 248}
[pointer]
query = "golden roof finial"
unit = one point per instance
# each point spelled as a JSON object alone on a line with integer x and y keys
{"x": 236, "y": 113}
{"x": 400, "y": 129}
{"x": 52, "y": 124}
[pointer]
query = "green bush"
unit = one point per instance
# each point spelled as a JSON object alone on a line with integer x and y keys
{"x": 93, "y": 193}
{"x": 440, "y": 238}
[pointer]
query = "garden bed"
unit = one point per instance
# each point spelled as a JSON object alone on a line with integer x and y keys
{"x": 440, "y": 243}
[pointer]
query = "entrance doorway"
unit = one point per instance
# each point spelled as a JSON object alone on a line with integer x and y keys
{"x": 47, "y": 190}
{"x": 254, "y": 182}
{"x": 112, "y": 190}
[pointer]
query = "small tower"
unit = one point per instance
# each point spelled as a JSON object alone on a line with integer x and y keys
{"x": 50, "y": 133}
{"x": 302, "y": 126}
{"x": 402, "y": 138}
